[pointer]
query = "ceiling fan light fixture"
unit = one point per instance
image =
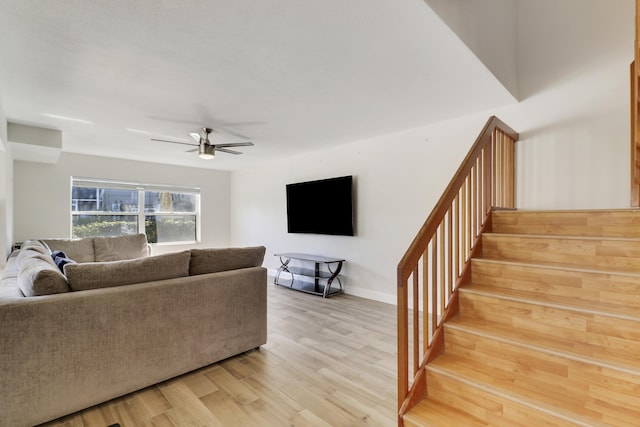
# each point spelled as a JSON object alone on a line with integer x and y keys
{"x": 206, "y": 151}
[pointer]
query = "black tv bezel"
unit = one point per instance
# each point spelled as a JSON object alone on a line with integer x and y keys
{"x": 326, "y": 203}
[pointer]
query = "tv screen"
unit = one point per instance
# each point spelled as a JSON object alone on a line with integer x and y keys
{"x": 321, "y": 207}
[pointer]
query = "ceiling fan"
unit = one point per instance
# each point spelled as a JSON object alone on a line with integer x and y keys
{"x": 205, "y": 149}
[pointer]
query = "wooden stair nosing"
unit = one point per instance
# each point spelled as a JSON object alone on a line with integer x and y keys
{"x": 624, "y": 361}
{"x": 561, "y": 237}
{"x": 440, "y": 410}
{"x": 609, "y": 253}
{"x": 578, "y": 387}
{"x": 608, "y": 290}
{"x": 530, "y": 300}
{"x": 592, "y": 222}
{"x": 553, "y": 352}
{"x": 556, "y": 266}
{"x": 517, "y": 399}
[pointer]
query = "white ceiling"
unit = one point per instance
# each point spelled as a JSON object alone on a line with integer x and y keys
{"x": 291, "y": 76}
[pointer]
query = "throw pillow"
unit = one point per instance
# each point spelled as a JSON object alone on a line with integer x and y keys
{"x": 205, "y": 261}
{"x": 96, "y": 275}
{"x": 80, "y": 250}
{"x": 61, "y": 259}
{"x": 121, "y": 247}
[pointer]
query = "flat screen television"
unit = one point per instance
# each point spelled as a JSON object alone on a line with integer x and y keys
{"x": 321, "y": 207}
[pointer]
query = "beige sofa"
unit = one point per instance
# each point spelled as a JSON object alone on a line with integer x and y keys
{"x": 71, "y": 349}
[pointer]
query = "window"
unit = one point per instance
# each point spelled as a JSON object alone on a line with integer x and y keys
{"x": 107, "y": 208}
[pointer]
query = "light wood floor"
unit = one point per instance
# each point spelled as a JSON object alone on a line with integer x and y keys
{"x": 328, "y": 362}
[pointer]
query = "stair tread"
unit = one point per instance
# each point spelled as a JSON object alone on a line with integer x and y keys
{"x": 625, "y": 270}
{"x": 622, "y": 311}
{"x": 526, "y": 388}
{"x": 508, "y": 397}
{"x": 562, "y": 237}
{"x": 559, "y": 266}
{"x": 577, "y": 350}
{"x": 619, "y": 269}
{"x": 592, "y": 222}
{"x": 608, "y": 253}
{"x": 430, "y": 413}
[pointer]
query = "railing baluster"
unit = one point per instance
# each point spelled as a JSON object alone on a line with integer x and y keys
{"x": 486, "y": 154}
{"x": 434, "y": 281}
{"x": 476, "y": 187}
{"x": 442, "y": 270}
{"x": 472, "y": 203}
{"x": 468, "y": 224}
{"x": 450, "y": 252}
{"x": 403, "y": 344}
{"x": 496, "y": 185}
{"x": 501, "y": 163}
{"x": 458, "y": 240}
{"x": 416, "y": 322}
{"x": 427, "y": 332}
{"x": 463, "y": 225}
{"x": 512, "y": 174}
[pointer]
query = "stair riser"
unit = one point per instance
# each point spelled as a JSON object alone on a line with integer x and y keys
{"x": 585, "y": 223}
{"x": 587, "y": 286}
{"x": 548, "y": 378}
{"x": 623, "y": 255}
{"x": 608, "y": 334}
{"x": 494, "y": 409}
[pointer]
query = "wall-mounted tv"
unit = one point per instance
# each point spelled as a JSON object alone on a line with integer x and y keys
{"x": 321, "y": 207}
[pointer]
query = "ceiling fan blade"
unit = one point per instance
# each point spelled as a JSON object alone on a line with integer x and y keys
{"x": 173, "y": 142}
{"x": 236, "y": 144}
{"x": 224, "y": 150}
{"x": 192, "y": 151}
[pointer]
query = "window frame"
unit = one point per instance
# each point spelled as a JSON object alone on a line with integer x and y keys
{"x": 141, "y": 214}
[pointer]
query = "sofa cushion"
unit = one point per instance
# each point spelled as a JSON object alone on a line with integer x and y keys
{"x": 205, "y": 261}
{"x": 96, "y": 275}
{"x": 38, "y": 274}
{"x": 79, "y": 250}
{"x": 120, "y": 248}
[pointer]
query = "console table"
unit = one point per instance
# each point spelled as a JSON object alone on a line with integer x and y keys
{"x": 295, "y": 276}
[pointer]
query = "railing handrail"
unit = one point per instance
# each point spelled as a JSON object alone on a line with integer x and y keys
{"x": 484, "y": 180}
{"x": 412, "y": 255}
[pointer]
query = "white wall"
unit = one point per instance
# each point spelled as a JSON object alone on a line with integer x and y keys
{"x": 574, "y": 117}
{"x": 573, "y": 152}
{"x": 43, "y": 194}
{"x": 398, "y": 179}
{"x": 6, "y": 191}
{"x": 489, "y": 29}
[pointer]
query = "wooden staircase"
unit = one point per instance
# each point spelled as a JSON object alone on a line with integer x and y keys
{"x": 548, "y": 329}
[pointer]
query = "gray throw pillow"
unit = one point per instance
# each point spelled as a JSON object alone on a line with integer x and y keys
{"x": 120, "y": 248}
{"x": 205, "y": 261}
{"x": 79, "y": 250}
{"x": 96, "y": 275}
